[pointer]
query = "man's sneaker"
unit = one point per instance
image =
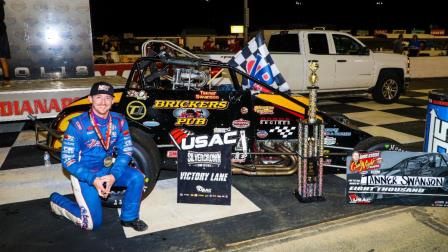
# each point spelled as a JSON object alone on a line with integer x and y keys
{"x": 137, "y": 225}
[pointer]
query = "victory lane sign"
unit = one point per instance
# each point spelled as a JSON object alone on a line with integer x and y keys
{"x": 204, "y": 170}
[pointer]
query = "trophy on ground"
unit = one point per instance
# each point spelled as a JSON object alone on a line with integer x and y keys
{"x": 311, "y": 148}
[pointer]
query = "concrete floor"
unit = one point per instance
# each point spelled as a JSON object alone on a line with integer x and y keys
{"x": 392, "y": 229}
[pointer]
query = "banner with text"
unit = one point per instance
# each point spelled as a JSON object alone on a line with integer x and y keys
{"x": 398, "y": 178}
{"x": 204, "y": 174}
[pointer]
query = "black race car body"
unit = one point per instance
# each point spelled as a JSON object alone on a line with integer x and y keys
{"x": 163, "y": 94}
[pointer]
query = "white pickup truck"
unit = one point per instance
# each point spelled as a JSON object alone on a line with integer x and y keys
{"x": 346, "y": 65}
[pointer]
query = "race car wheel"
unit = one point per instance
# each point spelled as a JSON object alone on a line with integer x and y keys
{"x": 387, "y": 89}
{"x": 146, "y": 158}
{"x": 379, "y": 144}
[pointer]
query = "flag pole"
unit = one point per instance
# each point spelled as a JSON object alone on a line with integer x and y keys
{"x": 246, "y": 21}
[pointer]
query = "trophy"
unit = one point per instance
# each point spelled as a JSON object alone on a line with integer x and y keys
{"x": 311, "y": 148}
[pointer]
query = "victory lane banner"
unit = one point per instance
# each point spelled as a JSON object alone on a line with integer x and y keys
{"x": 397, "y": 178}
{"x": 204, "y": 170}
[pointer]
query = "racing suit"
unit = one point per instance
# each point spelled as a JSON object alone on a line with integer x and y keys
{"x": 82, "y": 155}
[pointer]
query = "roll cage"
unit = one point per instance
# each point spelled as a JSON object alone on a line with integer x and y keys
{"x": 154, "y": 71}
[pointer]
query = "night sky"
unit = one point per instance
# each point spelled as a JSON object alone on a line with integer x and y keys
{"x": 169, "y": 17}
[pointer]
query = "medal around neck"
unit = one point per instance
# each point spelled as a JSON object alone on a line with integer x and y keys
{"x": 108, "y": 161}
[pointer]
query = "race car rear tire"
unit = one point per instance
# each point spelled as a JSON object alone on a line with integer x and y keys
{"x": 147, "y": 160}
{"x": 378, "y": 144}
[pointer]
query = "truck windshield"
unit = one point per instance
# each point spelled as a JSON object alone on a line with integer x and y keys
{"x": 284, "y": 43}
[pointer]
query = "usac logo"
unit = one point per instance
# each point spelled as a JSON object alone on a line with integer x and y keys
{"x": 136, "y": 110}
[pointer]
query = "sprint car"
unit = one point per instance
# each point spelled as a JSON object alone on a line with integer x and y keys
{"x": 206, "y": 97}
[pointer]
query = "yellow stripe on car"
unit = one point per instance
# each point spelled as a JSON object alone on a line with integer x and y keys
{"x": 283, "y": 102}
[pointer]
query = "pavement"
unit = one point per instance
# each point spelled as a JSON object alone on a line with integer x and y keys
{"x": 390, "y": 229}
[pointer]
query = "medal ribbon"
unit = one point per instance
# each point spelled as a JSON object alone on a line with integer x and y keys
{"x": 98, "y": 132}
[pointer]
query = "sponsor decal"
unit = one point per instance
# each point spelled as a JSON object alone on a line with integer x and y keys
{"x": 170, "y": 104}
{"x": 221, "y": 130}
{"x": 68, "y": 150}
{"x": 191, "y": 113}
{"x": 239, "y": 157}
{"x": 204, "y": 159}
{"x": 92, "y": 143}
{"x": 201, "y": 189}
{"x": 262, "y": 134}
{"x": 136, "y": 110}
{"x": 139, "y": 95}
{"x": 69, "y": 137}
{"x": 264, "y": 110}
{"x": 179, "y": 134}
{"x": 191, "y": 121}
{"x": 244, "y": 110}
{"x": 103, "y": 87}
{"x": 70, "y": 162}
{"x": 171, "y": 154}
{"x": 191, "y": 117}
{"x": 196, "y": 142}
{"x": 275, "y": 121}
{"x": 242, "y": 142}
{"x": 284, "y": 131}
{"x": 151, "y": 123}
{"x": 207, "y": 95}
{"x": 128, "y": 142}
{"x": 66, "y": 157}
{"x": 78, "y": 125}
{"x": 329, "y": 140}
{"x": 335, "y": 132}
{"x": 392, "y": 147}
{"x": 84, "y": 218}
{"x": 355, "y": 199}
{"x": 362, "y": 162}
{"x": 241, "y": 123}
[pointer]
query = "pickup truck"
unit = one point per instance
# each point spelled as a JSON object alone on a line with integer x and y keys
{"x": 346, "y": 65}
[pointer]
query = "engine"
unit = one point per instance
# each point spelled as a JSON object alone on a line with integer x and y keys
{"x": 186, "y": 78}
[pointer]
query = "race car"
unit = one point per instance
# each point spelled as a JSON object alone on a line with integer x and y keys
{"x": 165, "y": 94}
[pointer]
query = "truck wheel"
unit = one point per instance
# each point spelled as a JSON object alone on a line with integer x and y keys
{"x": 379, "y": 144}
{"x": 146, "y": 158}
{"x": 387, "y": 89}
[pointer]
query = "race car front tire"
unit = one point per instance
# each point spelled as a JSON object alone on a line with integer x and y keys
{"x": 146, "y": 158}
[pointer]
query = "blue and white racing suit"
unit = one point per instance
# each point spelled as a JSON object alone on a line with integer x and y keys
{"x": 82, "y": 155}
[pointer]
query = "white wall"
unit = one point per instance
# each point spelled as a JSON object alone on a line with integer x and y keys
{"x": 428, "y": 67}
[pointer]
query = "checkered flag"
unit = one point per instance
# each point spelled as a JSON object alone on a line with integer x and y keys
{"x": 255, "y": 60}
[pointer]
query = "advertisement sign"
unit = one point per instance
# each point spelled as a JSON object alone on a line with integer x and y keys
{"x": 398, "y": 178}
{"x": 204, "y": 172}
{"x": 49, "y": 39}
{"x": 16, "y": 106}
{"x": 436, "y": 138}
